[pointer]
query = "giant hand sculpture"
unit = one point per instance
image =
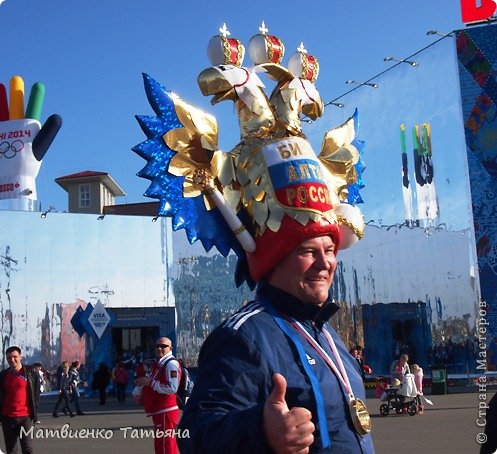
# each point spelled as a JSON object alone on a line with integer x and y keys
{"x": 23, "y": 141}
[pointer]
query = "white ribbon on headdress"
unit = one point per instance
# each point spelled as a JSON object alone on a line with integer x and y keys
{"x": 306, "y": 90}
{"x": 244, "y": 81}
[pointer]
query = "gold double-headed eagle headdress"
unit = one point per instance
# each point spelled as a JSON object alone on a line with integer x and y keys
{"x": 270, "y": 191}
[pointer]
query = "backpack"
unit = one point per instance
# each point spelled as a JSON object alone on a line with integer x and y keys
{"x": 185, "y": 386}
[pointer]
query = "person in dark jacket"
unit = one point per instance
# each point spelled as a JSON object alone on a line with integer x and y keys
{"x": 100, "y": 382}
{"x": 75, "y": 381}
{"x": 276, "y": 377}
{"x": 64, "y": 389}
{"x": 18, "y": 390}
{"x": 37, "y": 369}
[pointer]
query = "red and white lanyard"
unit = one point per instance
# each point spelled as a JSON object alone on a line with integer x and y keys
{"x": 339, "y": 371}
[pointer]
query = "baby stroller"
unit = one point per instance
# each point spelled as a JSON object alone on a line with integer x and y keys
{"x": 400, "y": 397}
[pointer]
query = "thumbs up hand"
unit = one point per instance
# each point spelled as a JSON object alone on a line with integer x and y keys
{"x": 286, "y": 431}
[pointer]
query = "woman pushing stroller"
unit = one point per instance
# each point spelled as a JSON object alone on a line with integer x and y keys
{"x": 400, "y": 367}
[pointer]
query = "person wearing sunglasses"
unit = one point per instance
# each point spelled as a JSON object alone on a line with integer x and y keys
{"x": 159, "y": 396}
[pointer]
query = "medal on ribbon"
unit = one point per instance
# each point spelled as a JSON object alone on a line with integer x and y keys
{"x": 360, "y": 416}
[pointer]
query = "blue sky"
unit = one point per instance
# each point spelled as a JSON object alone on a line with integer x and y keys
{"x": 90, "y": 56}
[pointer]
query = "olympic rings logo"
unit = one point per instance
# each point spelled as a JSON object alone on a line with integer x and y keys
{"x": 9, "y": 150}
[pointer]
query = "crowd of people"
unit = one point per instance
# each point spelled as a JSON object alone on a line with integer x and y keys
{"x": 156, "y": 386}
{"x": 21, "y": 387}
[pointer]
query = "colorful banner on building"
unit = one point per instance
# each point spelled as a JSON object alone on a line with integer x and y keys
{"x": 477, "y": 55}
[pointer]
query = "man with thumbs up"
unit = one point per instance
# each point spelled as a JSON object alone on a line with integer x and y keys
{"x": 275, "y": 377}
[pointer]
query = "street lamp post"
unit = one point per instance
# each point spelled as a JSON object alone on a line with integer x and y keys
{"x": 369, "y": 84}
{"x": 401, "y": 60}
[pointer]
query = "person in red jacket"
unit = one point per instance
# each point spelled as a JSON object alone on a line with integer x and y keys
{"x": 18, "y": 388}
{"x": 159, "y": 396}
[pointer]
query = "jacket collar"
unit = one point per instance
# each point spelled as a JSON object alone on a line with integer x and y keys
{"x": 164, "y": 358}
{"x": 295, "y": 308}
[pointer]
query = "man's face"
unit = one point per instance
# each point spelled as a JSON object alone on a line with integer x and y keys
{"x": 162, "y": 347}
{"x": 307, "y": 272}
{"x": 14, "y": 359}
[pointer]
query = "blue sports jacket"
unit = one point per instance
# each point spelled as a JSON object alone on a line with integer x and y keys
{"x": 236, "y": 365}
